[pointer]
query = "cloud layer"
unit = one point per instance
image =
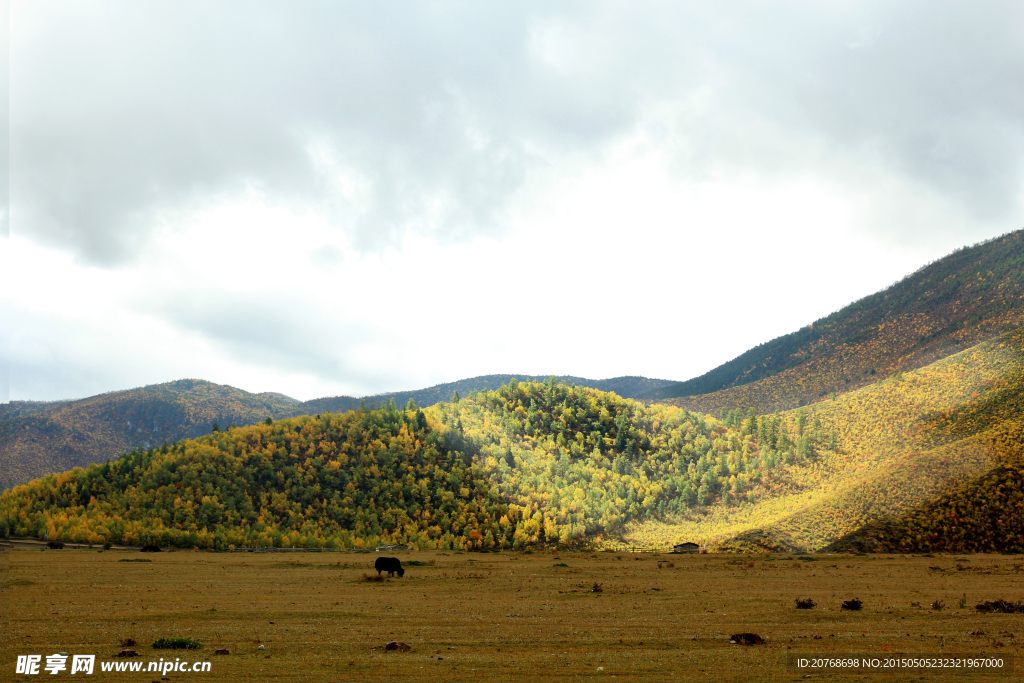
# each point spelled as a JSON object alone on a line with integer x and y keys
{"x": 149, "y": 138}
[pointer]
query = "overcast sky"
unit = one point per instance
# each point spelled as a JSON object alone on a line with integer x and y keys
{"x": 325, "y": 198}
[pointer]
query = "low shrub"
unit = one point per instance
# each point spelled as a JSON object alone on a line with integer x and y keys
{"x": 853, "y": 604}
{"x": 1003, "y": 606}
{"x": 805, "y": 604}
{"x": 177, "y": 644}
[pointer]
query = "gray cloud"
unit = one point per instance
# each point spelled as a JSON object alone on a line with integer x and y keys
{"x": 431, "y": 116}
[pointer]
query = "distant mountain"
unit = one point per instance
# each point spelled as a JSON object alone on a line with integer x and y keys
{"x": 625, "y": 387}
{"x": 972, "y": 295}
{"x": 52, "y": 437}
{"x": 44, "y": 437}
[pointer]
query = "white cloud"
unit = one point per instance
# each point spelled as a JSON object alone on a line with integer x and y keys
{"x": 328, "y": 199}
{"x": 609, "y": 270}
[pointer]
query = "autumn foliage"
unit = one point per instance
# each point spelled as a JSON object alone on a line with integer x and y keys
{"x": 924, "y": 460}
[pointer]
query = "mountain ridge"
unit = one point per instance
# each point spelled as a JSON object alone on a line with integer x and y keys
{"x": 972, "y": 295}
{"x": 55, "y": 436}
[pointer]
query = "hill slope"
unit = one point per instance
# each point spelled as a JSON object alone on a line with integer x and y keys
{"x": 40, "y": 438}
{"x": 545, "y": 462}
{"x": 967, "y": 297}
{"x": 985, "y": 514}
{"x": 903, "y": 444}
{"x": 339, "y": 480}
{"x": 509, "y": 464}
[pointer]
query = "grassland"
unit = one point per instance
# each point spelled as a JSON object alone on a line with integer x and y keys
{"x": 506, "y": 616}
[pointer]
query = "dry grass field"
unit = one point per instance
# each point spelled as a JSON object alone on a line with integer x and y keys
{"x": 505, "y": 616}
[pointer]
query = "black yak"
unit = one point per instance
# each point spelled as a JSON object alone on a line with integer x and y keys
{"x": 389, "y": 565}
{"x": 151, "y": 549}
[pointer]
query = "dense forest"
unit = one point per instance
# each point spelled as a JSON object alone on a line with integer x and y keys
{"x": 44, "y": 437}
{"x": 531, "y": 462}
{"x": 897, "y": 464}
{"x": 548, "y": 463}
{"x": 585, "y": 463}
{"x": 359, "y": 478}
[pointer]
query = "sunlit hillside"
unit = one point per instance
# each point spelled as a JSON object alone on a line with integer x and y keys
{"x": 890, "y": 465}
{"x": 902, "y": 444}
{"x": 584, "y": 463}
{"x": 984, "y": 514}
{"x": 530, "y": 463}
{"x": 961, "y": 300}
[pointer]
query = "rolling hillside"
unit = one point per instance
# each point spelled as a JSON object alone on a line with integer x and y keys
{"x": 53, "y": 437}
{"x": 389, "y": 476}
{"x": 528, "y": 463}
{"x": 337, "y": 480}
{"x": 967, "y": 297}
{"x": 986, "y": 513}
{"x": 895, "y": 465}
{"x": 895, "y": 424}
{"x": 40, "y": 437}
{"x": 904, "y": 445}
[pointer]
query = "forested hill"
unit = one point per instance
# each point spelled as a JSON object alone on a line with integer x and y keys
{"x": 349, "y": 480}
{"x": 969, "y": 296}
{"x": 545, "y": 462}
{"x": 56, "y": 436}
{"x": 530, "y": 462}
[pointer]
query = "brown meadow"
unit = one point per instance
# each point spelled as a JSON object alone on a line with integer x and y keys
{"x": 507, "y": 616}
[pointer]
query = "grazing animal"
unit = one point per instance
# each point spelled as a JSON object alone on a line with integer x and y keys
{"x": 150, "y": 549}
{"x": 55, "y": 545}
{"x": 389, "y": 565}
